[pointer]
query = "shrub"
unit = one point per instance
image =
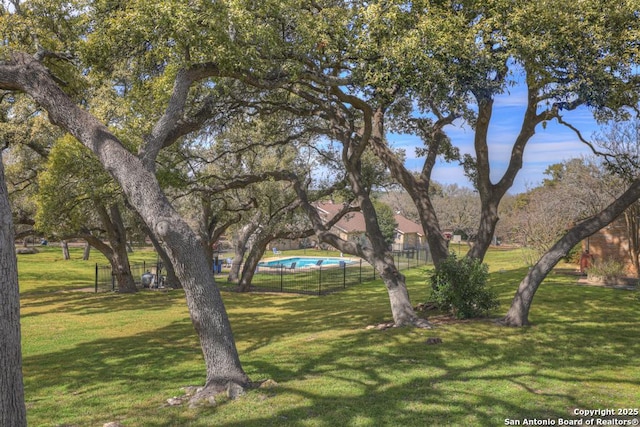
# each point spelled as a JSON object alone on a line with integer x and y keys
{"x": 573, "y": 256}
{"x": 459, "y": 286}
{"x": 607, "y": 268}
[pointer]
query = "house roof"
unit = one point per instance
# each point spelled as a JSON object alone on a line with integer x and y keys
{"x": 406, "y": 226}
{"x": 352, "y": 222}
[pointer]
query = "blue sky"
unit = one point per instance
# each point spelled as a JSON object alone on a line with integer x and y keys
{"x": 552, "y": 145}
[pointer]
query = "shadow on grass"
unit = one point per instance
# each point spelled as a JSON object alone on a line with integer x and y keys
{"x": 119, "y": 359}
{"x": 484, "y": 384}
{"x": 331, "y": 371}
{"x": 84, "y": 303}
{"x": 389, "y": 378}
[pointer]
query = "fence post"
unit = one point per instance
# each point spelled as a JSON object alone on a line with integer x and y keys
{"x": 281, "y": 277}
{"x": 113, "y": 281}
{"x": 320, "y": 280}
{"x": 361, "y": 270}
{"x": 96, "y": 277}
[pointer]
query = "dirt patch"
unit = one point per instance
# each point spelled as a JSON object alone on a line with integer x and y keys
{"x": 625, "y": 283}
{"x": 445, "y": 319}
{"x": 27, "y": 251}
{"x": 567, "y": 271}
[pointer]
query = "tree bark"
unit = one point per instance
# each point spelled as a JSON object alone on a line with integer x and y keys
{"x": 251, "y": 264}
{"x": 418, "y": 190}
{"x": 65, "y": 250}
{"x": 632, "y": 219}
{"x": 87, "y": 251}
{"x": 518, "y": 314}
{"x": 240, "y": 247}
{"x": 12, "y": 407}
{"x": 117, "y": 236}
{"x": 382, "y": 260}
{"x": 487, "y": 227}
{"x": 435, "y": 238}
{"x": 379, "y": 256}
{"x": 136, "y": 177}
{"x": 171, "y": 280}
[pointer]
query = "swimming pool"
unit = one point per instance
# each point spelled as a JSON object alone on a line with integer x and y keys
{"x": 304, "y": 262}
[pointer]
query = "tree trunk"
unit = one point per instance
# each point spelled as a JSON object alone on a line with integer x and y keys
{"x": 121, "y": 269}
{"x": 380, "y": 256}
{"x": 251, "y": 264}
{"x": 65, "y": 250}
{"x": 205, "y": 303}
{"x": 382, "y": 260}
{"x": 12, "y": 407}
{"x": 418, "y": 190}
{"x": 171, "y": 279}
{"x": 137, "y": 179}
{"x": 87, "y": 251}
{"x": 518, "y": 314}
{"x": 118, "y": 240}
{"x": 488, "y": 220}
{"x": 119, "y": 262}
{"x": 401, "y": 307}
{"x": 240, "y": 248}
{"x": 491, "y": 194}
{"x": 117, "y": 236}
{"x": 429, "y": 220}
{"x": 632, "y": 219}
{"x": 205, "y": 230}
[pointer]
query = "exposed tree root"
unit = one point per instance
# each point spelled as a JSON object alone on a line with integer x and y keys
{"x": 508, "y": 321}
{"x": 422, "y": 323}
{"x": 210, "y": 394}
{"x": 415, "y": 322}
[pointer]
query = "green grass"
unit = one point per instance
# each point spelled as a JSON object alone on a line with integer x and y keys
{"x": 94, "y": 358}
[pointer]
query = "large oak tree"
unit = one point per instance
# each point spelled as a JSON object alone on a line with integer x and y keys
{"x": 76, "y": 198}
{"x": 30, "y": 65}
{"x": 454, "y": 59}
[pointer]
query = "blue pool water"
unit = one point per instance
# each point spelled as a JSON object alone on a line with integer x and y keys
{"x": 303, "y": 262}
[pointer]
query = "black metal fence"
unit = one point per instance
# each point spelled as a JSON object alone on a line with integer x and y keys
{"x": 317, "y": 279}
{"x": 410, "y": 258}
{"x": 321, "y": 279}
{"x": 105, "y": 280}
{"x": 306, "y": 280}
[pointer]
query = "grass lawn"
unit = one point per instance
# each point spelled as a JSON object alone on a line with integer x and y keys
{"x": 94, "y": 358}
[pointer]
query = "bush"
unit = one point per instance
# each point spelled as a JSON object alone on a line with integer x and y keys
{"x": 607, "y": 268}
{"x": 459, "y": 286}
{"x": 574, "y": 254}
